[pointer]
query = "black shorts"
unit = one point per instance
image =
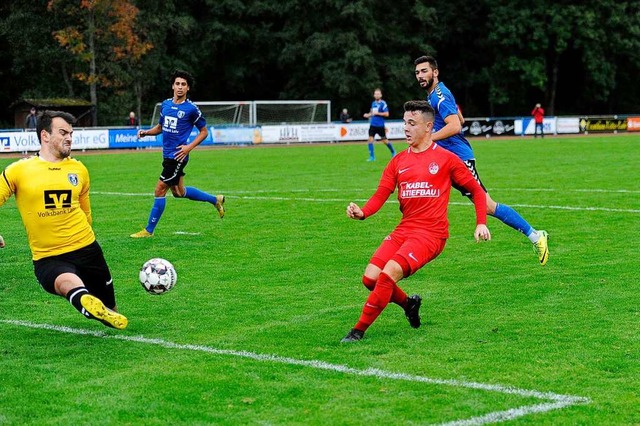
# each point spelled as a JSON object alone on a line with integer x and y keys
{"x": 87, "y": 263}
{"x": 375, "y": 130}
{"x": 172, "y": 171}
{"x": 471, "y": 165}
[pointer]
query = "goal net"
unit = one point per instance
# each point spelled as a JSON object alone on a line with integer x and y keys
{"x": 260, "y": 112}
{"x": 217, "y": 113}
{"x": 292, "y": 112}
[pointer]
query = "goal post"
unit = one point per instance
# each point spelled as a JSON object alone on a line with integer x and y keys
{"x": 253, "y": 113}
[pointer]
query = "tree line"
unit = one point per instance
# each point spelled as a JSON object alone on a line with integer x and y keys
{"x": 498, "y": 57}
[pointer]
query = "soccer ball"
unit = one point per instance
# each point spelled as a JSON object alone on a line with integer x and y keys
{"x": 158, "y": 276}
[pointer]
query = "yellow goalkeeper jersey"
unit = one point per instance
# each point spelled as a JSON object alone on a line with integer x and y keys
{"x": 53, "y": 200}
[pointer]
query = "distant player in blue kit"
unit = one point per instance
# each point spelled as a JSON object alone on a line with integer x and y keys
{"x": 178, "y": 116}
{"x": 447, "y": 133}
{"x": 376, "y": 115}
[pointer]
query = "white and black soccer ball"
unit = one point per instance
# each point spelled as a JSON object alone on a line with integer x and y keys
{"x": 158, "y": 276}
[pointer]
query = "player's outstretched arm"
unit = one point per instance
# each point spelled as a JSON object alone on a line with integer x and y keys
{"x": 354, "y": 211}
{"x": 155, "y": 130}
{"x": 482, "y": 233}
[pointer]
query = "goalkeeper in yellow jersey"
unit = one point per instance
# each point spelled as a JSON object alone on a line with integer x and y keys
{"x": 52, "y": 196}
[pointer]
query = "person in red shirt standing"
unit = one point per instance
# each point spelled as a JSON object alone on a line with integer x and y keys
{"x": 538, "y": 117}
{"x": 423, "y": 175}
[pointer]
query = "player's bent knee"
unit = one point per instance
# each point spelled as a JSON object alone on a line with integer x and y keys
{"x": 397, "y": 268}
{"x": 177, "y": 193}
{"x": 369, "y": 282}
{"x": 491, "y": 206}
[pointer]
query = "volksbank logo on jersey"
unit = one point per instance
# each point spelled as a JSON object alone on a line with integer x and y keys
{"x": 57, "y": 199}
{"x": 418, "y": 190}
{"x": 170, "y": 124}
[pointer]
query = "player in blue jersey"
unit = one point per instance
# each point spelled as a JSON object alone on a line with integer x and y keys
{"x": 178, "y": 116}
{"x": 447, "y": 133}
{"x": 376, "y": 115}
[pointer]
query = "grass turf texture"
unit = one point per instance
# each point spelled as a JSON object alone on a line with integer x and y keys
{"x": 281, "y": 274}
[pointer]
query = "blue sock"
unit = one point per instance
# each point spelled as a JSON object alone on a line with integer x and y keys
{"x": 393, "y": 151}
{"x": 196, "y": 195}
{"x": 156, "y": 213}
{"x": 371, "y": 152}
{"x": 511, "y": 217}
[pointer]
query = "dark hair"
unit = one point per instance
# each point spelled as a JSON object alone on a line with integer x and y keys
{"x": 422, "y": 106}
{"x": 46, "y": 117}
{"x": 430, "y": 59}
{"x": 183, "y": 74}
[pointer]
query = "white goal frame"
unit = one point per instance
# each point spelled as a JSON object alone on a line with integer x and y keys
{"x": 249, "y": 112}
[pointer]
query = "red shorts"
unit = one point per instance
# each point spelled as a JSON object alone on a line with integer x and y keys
{"x": 415, "y": 248}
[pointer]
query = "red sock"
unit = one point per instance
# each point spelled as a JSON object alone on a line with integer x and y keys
{"x": 369, "y": 283}
{"x": 399, "y": 297}
{"x": 376, "y": 302}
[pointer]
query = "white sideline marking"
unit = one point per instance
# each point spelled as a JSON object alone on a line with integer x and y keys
{"x": 186, "y": 233}
{"x": 606, "y": 191}
{"x": 343, "y": 200}
{"x": 277, "y": 191}
{"x": 555, "y": 401}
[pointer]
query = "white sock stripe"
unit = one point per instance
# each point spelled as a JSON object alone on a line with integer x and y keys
{"x": 80, "y": 290}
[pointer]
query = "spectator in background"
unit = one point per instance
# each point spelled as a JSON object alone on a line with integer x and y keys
{"x": 344, "y": 116}
{"x": 538, "y": 117}
{"x": 132, "y": 120}
{"x": 31, "y": 121}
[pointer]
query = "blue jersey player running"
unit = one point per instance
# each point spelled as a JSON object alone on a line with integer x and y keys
{"x": 178, "y": 116}
{"x": 376, "y": 115}
{"x": 447, "y": 133}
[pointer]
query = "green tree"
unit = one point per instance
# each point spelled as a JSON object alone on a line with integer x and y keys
{"x": 102, "y": 38}
{"x": 532, "y": 42}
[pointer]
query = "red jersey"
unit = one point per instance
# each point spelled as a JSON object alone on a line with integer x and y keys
{"x": 424, "y": 182}
{"x": 538, "y": 115}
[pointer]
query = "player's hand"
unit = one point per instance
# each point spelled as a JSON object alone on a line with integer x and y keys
{"x": 141, "y": 133}
{"x": 366, "y": 115}
{"x": 354, "y": 211}
{"x": 482, "y": 233}
{"x": 1, "y": 242}
{"x": 183, "y": 151}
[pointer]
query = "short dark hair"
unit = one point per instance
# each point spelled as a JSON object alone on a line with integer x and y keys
{"x": 422, "y": 106}
{"x": 183, "y": 74}
{"x": 430, "y": 59}
{"x": 46, "y": 117}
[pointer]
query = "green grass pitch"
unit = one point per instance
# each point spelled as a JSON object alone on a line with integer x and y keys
{"x": 251, "y": 332}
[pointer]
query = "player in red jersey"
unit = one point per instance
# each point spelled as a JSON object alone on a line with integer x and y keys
{"x": 423, "y": 175}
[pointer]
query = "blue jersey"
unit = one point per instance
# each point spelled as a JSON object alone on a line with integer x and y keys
{"x": 442, "y": 101}
{"x": 378, "y": 106}
{"x": 177, "y": 121}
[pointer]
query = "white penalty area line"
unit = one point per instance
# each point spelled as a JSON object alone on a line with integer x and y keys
{"x": 552, "y": 401}
{"x": 343, "y": 200}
